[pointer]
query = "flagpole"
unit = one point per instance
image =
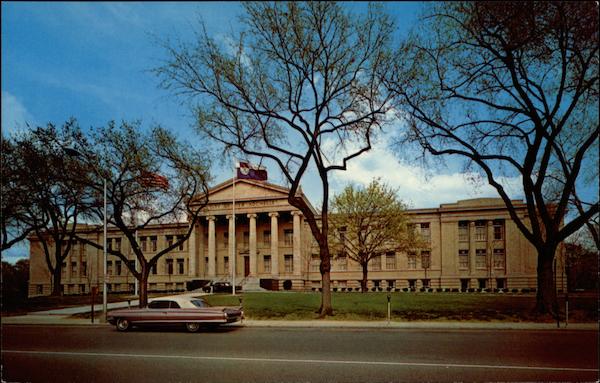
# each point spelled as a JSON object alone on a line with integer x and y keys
{"x": 234, "y": 244}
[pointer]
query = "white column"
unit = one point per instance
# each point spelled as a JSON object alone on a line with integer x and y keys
{"x": 232, "y": 251}
{"x": 252, "y": 250}
{"x": 297, "y": 243}
{"x": 274, "y": 245}
{"x": 212, "y": 247}
{"x": 192, "y": 253}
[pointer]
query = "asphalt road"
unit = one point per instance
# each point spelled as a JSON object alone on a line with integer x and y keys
{"x": 101, "y": 354}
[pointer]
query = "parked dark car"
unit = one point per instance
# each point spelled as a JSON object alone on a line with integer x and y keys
{"x": 193, "y": 312}
{"x": 219, "y": 287}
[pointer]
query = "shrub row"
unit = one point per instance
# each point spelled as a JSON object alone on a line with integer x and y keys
{"x": 429, "y": 290}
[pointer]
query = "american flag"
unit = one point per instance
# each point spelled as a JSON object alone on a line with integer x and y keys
{"x": 150, "y": 179}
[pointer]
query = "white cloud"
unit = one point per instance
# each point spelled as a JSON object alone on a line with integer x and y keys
{"x": 15, "y": 116}
{"x": 418, "y": 187}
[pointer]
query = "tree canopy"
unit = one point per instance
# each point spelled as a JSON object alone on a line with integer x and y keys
{"x": 367, "y": 222}
{"x": 301, "y": 86}
{"x": 511, "y": 88}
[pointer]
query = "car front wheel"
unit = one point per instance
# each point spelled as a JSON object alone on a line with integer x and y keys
{"x": 123, "y": 324}
{"x": 192, "y": 327}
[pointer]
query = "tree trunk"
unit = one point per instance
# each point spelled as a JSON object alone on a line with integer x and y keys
{"x": 325, "y": 268}
{"x": 546, "y": 290}
{"x": 143, "y": 287}
{"x": 364, "y": 281}
{"x": 56, "y": 281}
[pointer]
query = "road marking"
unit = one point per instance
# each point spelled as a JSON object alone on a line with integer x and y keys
{"x": 304, "y": 361}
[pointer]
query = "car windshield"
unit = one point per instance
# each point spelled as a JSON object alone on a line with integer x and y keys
{"x": 199, "y": 303}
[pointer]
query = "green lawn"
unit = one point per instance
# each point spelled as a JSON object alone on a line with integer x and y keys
{"x": 405, "y": 306}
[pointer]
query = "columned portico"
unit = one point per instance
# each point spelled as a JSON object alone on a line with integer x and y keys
{"x": 212, "y": 247}
{"x": 252, "y": 244}
{"x": 274, "y": 245}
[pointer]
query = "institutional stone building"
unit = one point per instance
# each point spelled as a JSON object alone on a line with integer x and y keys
{"x": 473, "y": 244}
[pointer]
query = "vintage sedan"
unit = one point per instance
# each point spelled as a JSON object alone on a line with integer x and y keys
{"x": 193, "y": 312}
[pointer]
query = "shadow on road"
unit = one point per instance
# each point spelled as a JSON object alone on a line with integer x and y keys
{"x": 179, "y": 328}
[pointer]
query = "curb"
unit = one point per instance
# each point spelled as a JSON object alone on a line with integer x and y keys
{"x": 46, "y": 320}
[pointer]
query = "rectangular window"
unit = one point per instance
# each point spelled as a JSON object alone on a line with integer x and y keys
{"x": 482, "y": 283}
{"x": 391, "y": 283}
{"x": 315, "y": 263}
{"x": 267, "y": 238}
{"x": 412, "y": 283}
{"x": 463, "y": 231}
{"x": 266, "y": 263}
{"x": 289, "y": 263}
{"x": 480, "y": 259}
{"x": 412, "y": 260}
{"x": 498, "y": 229}
{"x": 39, "y": 289}
{"x": 499, "y": 258}
{"x": 425, "y": 283}
{"x": 73, "y": 268}
{"x": 480, "y": 231}
{"x": 390, "y": 260}
{"x": 376, "y": 283}
{"x": 501, "y": 283}
{"x": 118, "y": 267}
{"x": 109, "y": 243}
{"x": 426, "y": 232}
{"x": 180, "y": 265}
{"x": 63, "y": 270}
{"x": 288, "y": 236}
{"x": 181, "y": 245}
{"x": 463, "y": 259}
{"x": 82, "y": 289}
{"x": 376, "y": 263}
{"x": 84, "y": 269}
{"x": 425, "y": 259}
{"x": 153, "y": 243}
{"x": 342, "y": 262}
{"x": 131, "y": 264}
{"x": 169, "y": 239}
{"x": 170, "y": 266}
{"x": 226, "y": 264}
{"x": 118, "y": 244}
{"x": 143, "y": 243}
{"x": 226, "y": 238}
{"x": 109, "y": 269}
{"x": 154, "y": 269}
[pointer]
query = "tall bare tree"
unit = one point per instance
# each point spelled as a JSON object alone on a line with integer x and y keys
{"x": 367, "y": 222}
{"x": 151, "y": 178}
{"x": 300, "y": 86}
{"x": 512, "y": 88}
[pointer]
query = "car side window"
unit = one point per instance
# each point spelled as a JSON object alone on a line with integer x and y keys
{"x": 159, "y": 305}
{"x": 175, "y": 305}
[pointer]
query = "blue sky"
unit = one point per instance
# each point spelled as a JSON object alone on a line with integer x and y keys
{"x": 91, "y": 61}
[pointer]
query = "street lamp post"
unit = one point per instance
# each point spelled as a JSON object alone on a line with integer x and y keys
{"x": 74, "y": 153}
{"x": 104, "y": 292}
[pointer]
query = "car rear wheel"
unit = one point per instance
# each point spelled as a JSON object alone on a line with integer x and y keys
{"x": 123, "y": 324}
{"x": 192, "y": 327}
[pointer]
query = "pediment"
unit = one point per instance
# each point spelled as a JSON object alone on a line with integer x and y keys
{"x": 246, "y": 190}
